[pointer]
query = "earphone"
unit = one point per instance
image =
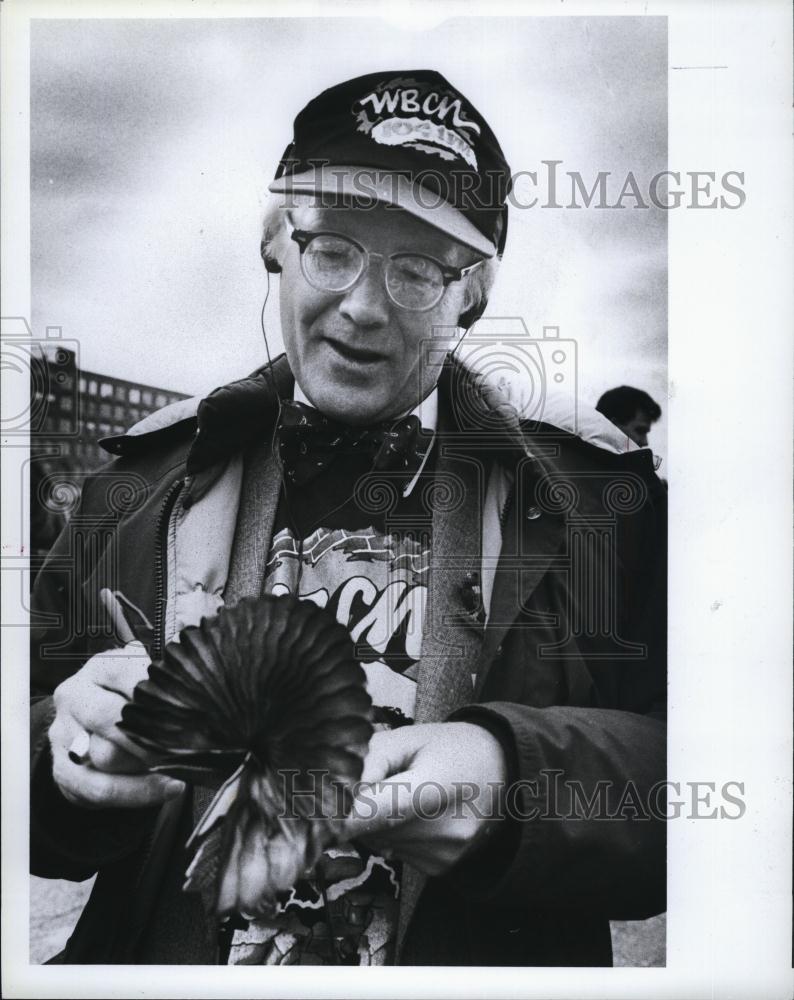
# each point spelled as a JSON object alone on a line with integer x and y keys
{"x": 272, "y": 266}
{"x": 467, "y": 319}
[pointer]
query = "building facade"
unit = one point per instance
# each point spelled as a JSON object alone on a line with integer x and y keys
{"x": 70, "y": 411}
{"x": 74, "y": 409}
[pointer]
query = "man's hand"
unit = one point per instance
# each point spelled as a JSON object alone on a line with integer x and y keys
{"x": 445, "y": 781}
{"x": 91, "y": 701}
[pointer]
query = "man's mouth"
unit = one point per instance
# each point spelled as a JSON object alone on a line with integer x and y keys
{"x": 356, "y": 355}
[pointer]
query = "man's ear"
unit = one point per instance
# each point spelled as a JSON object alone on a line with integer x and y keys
{"x": 272, "y": 266}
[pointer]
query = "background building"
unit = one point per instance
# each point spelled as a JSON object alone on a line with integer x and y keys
{"x": 71, "y": 410}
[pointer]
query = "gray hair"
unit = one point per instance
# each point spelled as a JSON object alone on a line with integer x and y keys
{"x": 478, "y": 284}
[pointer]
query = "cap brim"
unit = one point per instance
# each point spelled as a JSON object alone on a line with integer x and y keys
{"x": 368, "y": 183}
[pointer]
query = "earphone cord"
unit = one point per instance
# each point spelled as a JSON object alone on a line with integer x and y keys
{"x": 274, "y": 450}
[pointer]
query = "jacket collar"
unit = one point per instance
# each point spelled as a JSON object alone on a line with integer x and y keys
{"x": 236, "y": 415}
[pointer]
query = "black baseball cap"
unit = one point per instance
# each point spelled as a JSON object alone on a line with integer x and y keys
{"x": 408, "y": 139}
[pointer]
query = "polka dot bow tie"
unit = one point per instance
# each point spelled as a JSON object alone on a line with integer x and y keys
{"x": 309, "y": 442}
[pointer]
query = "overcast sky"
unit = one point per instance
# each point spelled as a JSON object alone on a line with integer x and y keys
{"x": 153, "y": 141}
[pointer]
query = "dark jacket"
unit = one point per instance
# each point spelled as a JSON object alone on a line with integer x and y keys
{"x": 570, "y": 676}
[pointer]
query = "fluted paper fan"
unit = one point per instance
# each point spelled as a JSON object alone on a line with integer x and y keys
{"x": 267, "y": 703}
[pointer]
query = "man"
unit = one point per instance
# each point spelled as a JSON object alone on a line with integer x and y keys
{"x": 632, "y": 410}
{"x": 368, "y": 471}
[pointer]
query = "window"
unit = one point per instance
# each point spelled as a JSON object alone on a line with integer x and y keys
{"x": 118, "y": 412}
{"x": 147, "y": 397}
{"x": 104, "y": 430}
{"x": 105, "y": 410}
{"x": 121, "y": 394}
{"x": 135, "y": 395}
{"x": 82, "y": 384}
{"x": 135, "y": 415}
{"x": 67, "y": 404}
{"x": 161, "y": 400}
{"x": 106, "y": 390}
{"x": 92, "y": 387}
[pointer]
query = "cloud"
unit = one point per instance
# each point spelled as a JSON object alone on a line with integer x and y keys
{"x": 152, "y": 143}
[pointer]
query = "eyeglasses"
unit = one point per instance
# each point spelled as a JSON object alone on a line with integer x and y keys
{"x": 331, "y": 262}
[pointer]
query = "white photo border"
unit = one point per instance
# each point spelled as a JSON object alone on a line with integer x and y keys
{"x": 730, "y": 412}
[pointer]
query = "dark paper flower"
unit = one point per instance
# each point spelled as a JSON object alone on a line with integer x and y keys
{"x": 266, "y": 703}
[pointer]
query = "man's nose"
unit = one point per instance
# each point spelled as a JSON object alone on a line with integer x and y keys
{"x": 367, "y": 304}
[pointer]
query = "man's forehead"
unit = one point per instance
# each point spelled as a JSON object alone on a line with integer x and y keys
{"x": 377, "y": 223}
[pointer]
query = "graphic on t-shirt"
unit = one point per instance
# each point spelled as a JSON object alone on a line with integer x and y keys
{"x": 376, "y": 586}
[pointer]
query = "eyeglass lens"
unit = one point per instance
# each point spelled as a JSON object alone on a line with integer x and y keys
{"x": 334, "y": 264}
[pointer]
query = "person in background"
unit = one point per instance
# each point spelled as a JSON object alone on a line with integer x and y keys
{"x": 632, "y": 410}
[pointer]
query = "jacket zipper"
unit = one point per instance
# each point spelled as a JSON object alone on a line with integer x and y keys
{"x": 158, "y": 644}
{"x": 160, "y": 557}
